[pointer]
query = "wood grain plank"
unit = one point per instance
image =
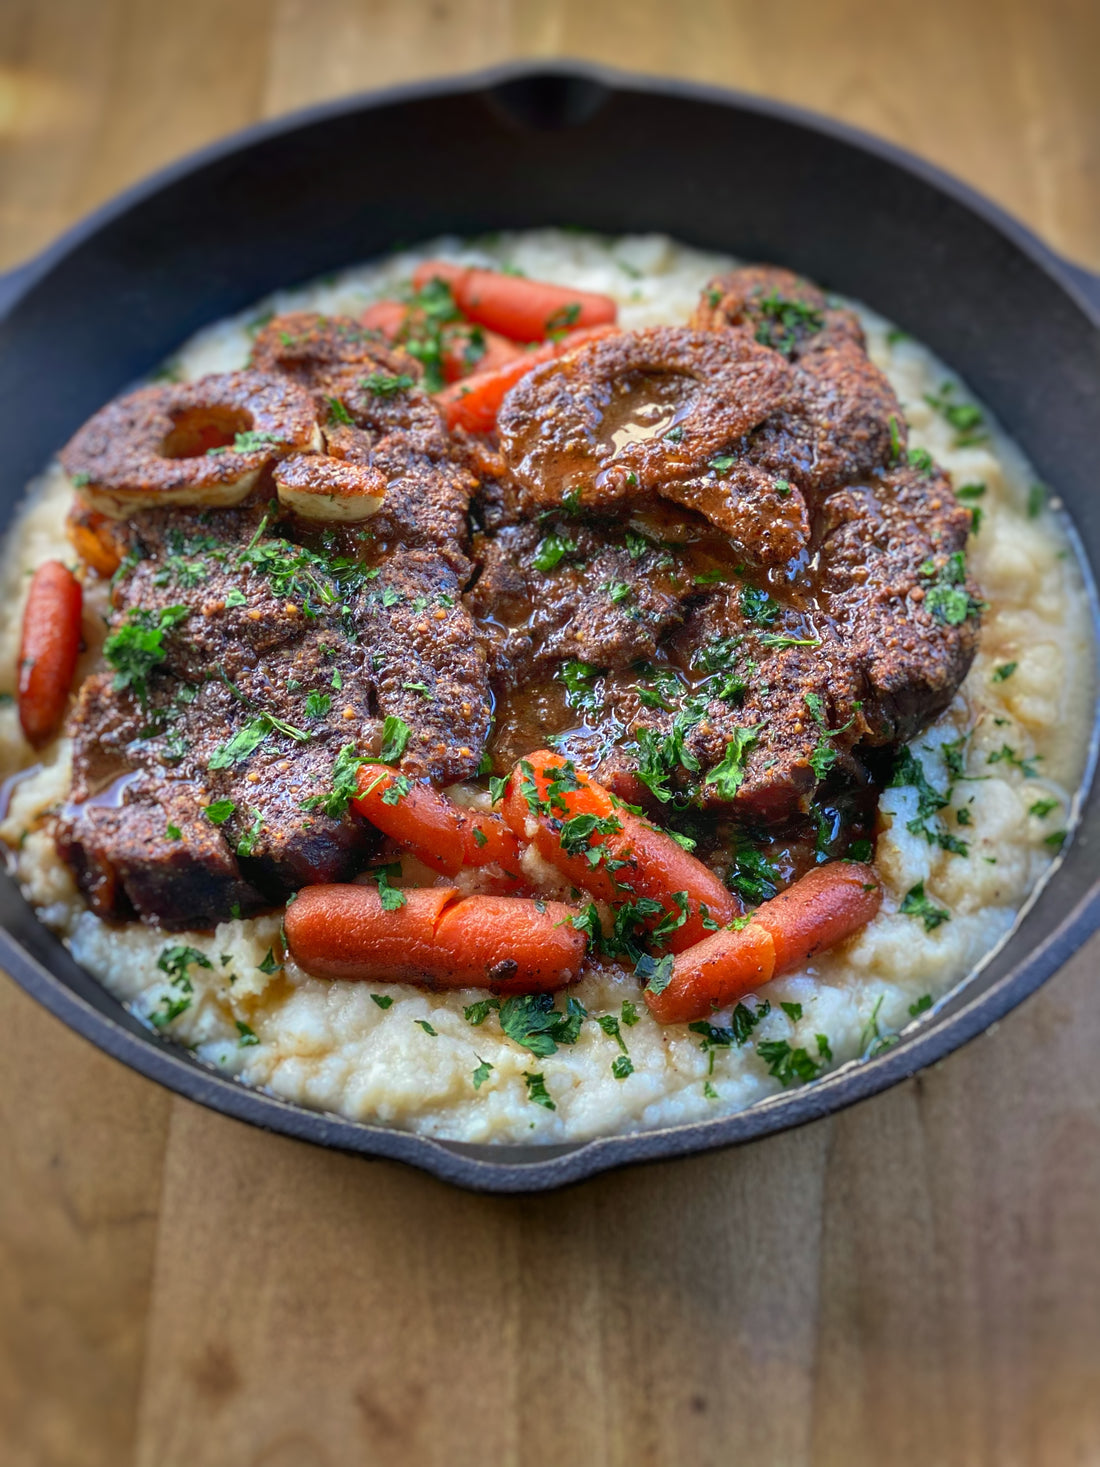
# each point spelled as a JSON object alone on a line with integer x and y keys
{"x": 960, "y": 1319}
{"x": 355, "y": 1311}
{"x": 326, "y": 48}
{"x": 81, "y": 1150}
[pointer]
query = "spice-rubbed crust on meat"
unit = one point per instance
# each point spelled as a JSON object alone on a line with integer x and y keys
{"x": 726, "y": 505}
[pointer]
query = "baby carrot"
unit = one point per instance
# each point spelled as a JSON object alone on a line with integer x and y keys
{"x": 49, "y": 648}
{"x": 444, "y": 835}
{"x": 828, "y": 904}
{"x": 386, "y": 317}
{"x": 474, "y": 402}
{"x": 467, "y": 348}
{"x": 435, "y": 937}
{"x": 521, "y": 309}
{"x": 92, "y": 536}
{"x": 574, "y": 823}
{"x": 723, "y": 967}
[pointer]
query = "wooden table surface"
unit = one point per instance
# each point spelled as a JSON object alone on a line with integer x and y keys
{"x": 914, "y": 1282}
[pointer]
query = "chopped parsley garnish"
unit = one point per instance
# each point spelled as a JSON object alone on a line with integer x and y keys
{"x": 399, "y": 787}
{"x": 953, "y": 755}
{"x": 784, "y": 320}
{"x": 531, "y": 1020}
{"x": 247, "y": 1035}
{"x": 563, "y": 318}
{"x": 537, "y": 1092}
{"x": 609, "y": 1023}
{"x": 175, "y": 961}
{"x": 745, "y": 1020}
{"x": 781, "y": 639}
{"x": 136, "y": 647}
{"x": 656, "y": 972}
{"x": 345, "y": 785}
{"x": 921, "y": 460}
{"x": 895, "y": 439}
{"x": 970, "y": 491}
{"x": 1036, "y": 500}
{"x": 423, "y": 1024}
{"x": 251, "y": 441}
{"x": 550, "y": 550}
{"x": 482, "y": 1073}
{"x": 391, "y": 897}
{"x": 248, "y": 739}
{"x": 964, "y": 417}
{"x": 793, "y": 1011}
{"x": 908, "y": 770}
{"x": 477, "y": 1013}
{"x": 1008, "y": 755}
{"x": 1042, "y": 808}
{"x": 629, "y": 1013}
{"x": 383, "y": 385}
{"x": 661, "y": 689}
{"x": 395, "y": 737}
{"x": 619, "y": 591}
{"x": 660, "y": 755}
{"x": 270, "y": 963}
{"x": 787, "y": 1065}
{"x": 946, "y": 598}
{"x": 1004, "y": 672}
{"x": 318, "y": 704}
{"x": 339, "y": 413}
{"x": 752, "y": 876}
{"x": 1056, "y": 840}
{"x": 824, "y": 754}
{"x": 172, "y": 832}
{"x": 723, "y": 463}
{"x": 576, "y": 835}
{"x": 432, "y": 308}
{"x": 872, "y": 1040}
{"x": 728, "y": 775}
{"x": 621, "y": 1066}
{"x": 916, "y": 904}
{"x": 758, "y": 606}
{"x": 579, "y": 680}
{"x": 921, "y": 1006}
{"x": 247, "y": 843}
{"x": 383, "y": 1000}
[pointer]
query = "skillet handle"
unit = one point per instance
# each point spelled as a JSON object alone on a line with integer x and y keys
{"x": 12, "y": 284}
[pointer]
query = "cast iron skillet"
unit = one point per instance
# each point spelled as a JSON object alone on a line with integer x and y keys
{"x": 521, "y": 147}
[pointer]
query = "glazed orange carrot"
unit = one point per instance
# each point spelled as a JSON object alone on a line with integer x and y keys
{"x": 828, "y": 904}
{"x": 465, "y": 353}
{"x": 49, "y": 649}
{"x": 92, "y": 536}
{"x": 444, "y": 835}
{"x": 436, "y": 938}
{"x": 723, "y": 967}
{"x": 521, "y": 309}
{"x": 467, "y": 347}
{"x": 574, "y": 823}
{"x": 823, "y": 907}
{"x": 473, "y": 403}
{"x": 388, "y": 317}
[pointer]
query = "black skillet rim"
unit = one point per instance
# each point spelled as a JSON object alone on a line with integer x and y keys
{"x": 558, "y": 1165}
